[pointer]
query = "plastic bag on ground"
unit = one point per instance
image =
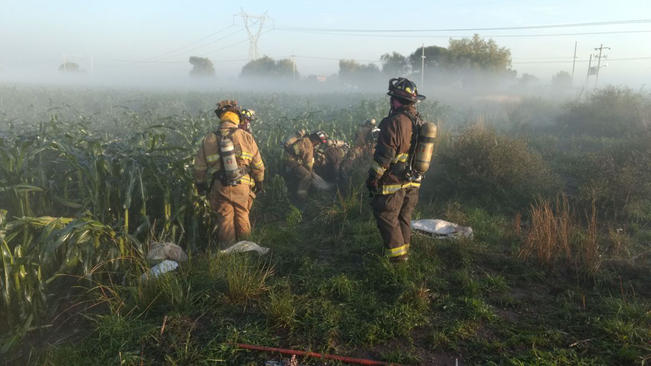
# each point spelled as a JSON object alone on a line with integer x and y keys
{"x": 245, "y": 246}
{"x": 157, "y": 270}
{"x": 162, "y": 251}
{"x": 441, "y": 229}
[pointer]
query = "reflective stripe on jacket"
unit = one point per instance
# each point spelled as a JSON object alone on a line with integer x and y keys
{"x": 392, "y": 148}
{"x": 302, "y": 153}
{"x": 208, "y": 159}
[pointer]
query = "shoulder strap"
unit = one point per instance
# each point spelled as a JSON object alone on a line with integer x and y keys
{"x": 415, "y": 131}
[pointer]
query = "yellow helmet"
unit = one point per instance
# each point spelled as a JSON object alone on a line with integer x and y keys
{"x": 248, "y": 114}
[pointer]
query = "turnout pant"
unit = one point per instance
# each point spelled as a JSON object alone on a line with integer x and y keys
{"x": 393, "y": 216}
{"x": 231, "y": 205}
{"x": 299, "y": 179}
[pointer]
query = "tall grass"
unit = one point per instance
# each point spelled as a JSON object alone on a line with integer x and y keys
{"x": 555, "y": 236}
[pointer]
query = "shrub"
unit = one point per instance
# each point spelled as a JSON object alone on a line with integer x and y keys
{"x": 491, "y": 170}
{"x": 609, "y": 112}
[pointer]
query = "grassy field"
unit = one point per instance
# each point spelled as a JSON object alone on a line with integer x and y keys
{"x": 558, "y": 271}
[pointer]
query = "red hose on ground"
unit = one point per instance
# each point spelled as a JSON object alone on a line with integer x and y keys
{"x": 359, "y": 361}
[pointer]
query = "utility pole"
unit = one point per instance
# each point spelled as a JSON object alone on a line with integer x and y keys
{"x": 587, "y": 76}
{"x": 253, "y": 25}
{"x": 422, "y": 67}
{"x": 574, "y": 62}
{"x": 601, "y": 48}
{"x": 293, "y": 65}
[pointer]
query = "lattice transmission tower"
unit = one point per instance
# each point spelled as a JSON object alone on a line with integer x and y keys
{"x": 253, "y": 25}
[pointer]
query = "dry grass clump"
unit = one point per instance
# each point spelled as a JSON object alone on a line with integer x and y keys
{"x": 555, "y": 236}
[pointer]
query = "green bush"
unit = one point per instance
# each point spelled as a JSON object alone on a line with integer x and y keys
{"x": 491, "y": 170}
{"x": 609, "y": 112}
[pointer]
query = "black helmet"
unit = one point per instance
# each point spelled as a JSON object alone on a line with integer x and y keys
{"x": 227, "y": 105}
{"x": 404, "y": 89}
{"x": 319, "y": 136}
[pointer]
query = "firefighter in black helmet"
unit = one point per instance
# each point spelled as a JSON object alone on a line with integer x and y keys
{"x": 394, "y": 193}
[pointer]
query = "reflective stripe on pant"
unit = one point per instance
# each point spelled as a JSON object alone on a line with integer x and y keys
{"x": 232, "y": 204}
{"x": 393, "y": 216}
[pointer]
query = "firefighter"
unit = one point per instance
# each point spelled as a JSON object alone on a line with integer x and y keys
{"x": 394, "y": 190}
{"x": 246, "y": 117}
{"x": 300, "y": 160}
{"x": 362, "y": 149}
{"x": 328, "y": 159}
{"x": 229, "y": 170}
{"x": 364, "y": 137}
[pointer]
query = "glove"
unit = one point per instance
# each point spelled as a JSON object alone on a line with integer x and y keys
{"x": 258, "y": 188}
{"x": 202, "y": 189}
{"x": 372, "y": 185}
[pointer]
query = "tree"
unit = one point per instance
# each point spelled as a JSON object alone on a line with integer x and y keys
{"x": 479, "y": 54}
{"x": 528, "y": 80}
{"x": 562, "y": 80}
{"x": 435, "y": 57}
{"x": 69, "y": 67}
{"x": 266, "y": 67}
{"x": 201, "y": 66}
{"x": 352, "y": 71}
{"x": 394, "y": 64}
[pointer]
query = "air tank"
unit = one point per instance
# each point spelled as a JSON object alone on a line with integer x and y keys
{"x": 425, "y": 147}
{"x": 227, "y": 152}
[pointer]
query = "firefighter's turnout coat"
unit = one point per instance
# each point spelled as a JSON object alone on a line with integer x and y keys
{"x": 231, "y": 202}
{"x": 299, "y": 165}
{"x": 397, "y": 195}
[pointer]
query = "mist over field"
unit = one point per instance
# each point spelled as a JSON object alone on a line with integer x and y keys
{"x": 543, "y": 149}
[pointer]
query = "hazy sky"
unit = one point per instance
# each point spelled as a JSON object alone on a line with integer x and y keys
{"x": 157, "y": 37}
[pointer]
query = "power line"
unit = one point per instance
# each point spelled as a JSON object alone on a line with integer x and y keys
{"x": 546, "y": 26}
{"x": 336, "y": 58}
{"x": 238, "y": 42}
{"x": 183, "y": 48}
{"x": 531, "y": 35}
{"x": 569, "y": 61}
{"x": 186, "y": 51}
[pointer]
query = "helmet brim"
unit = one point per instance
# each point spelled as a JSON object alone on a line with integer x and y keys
{"x": 410, "y": 99}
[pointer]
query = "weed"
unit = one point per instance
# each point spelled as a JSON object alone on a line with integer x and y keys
{"x": 244, "y": 275}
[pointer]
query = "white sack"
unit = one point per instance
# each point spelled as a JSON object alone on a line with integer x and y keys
{"x": 245, "y": 246}
{"x": 162, "y": 251}
{"x": 441, "y": 229}
{"x": 157, "y": 270}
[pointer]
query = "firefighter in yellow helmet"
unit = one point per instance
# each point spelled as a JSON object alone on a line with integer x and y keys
{"x": 228, "y": 168}
{"x": 394, "y": 191}
{"x": 247, "y": 116}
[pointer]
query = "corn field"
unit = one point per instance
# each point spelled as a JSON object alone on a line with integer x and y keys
{"x": 90, "y": 179}
{"x": 83, "y": 193}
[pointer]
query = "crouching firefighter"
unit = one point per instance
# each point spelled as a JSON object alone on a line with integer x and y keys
{"x": 299, "y": 160}
{"x": 402, "y": 154}
{"x": 229, "y": 170}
